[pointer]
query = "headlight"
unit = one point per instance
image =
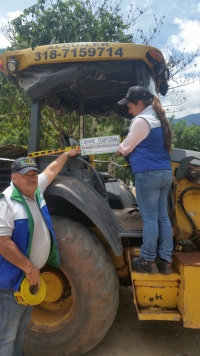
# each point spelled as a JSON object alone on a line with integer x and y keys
{"x": 12, "y": 66}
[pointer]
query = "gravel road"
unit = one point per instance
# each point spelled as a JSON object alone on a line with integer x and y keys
{"x": 130, "y": 337}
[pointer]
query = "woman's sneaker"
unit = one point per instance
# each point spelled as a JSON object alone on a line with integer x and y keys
{"x": 164, "y": 267}
{"x": 141, "y": 265}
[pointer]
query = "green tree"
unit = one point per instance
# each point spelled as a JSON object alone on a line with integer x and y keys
{"x": 186, "y": 137}
{"x": 57, "y": 22}
{"x": 14, "y": 114}
{"x": 68, "y": 21}
{"x": 192, "y": 138}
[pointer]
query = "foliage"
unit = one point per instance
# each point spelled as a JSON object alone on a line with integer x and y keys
{"x": 67, "y": 21}
{"x": 14, "y": 114}
{"x": 186, "y": 137}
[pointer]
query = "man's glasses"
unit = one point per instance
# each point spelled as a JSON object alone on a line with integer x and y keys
{"x": 29, "y": 176}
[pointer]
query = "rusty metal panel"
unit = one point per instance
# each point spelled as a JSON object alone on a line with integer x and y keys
{"x": 188, "y": 258}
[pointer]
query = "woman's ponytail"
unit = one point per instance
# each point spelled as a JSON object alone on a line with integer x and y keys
{"x": 160, "y": 112}
{"x": 167, "y": 133}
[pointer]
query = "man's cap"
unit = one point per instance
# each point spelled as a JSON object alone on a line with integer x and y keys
{"x": 136, "y": 93}
{"x": 23, "y": 165}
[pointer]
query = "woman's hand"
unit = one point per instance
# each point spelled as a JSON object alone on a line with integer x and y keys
{"x": 117, "y": 153}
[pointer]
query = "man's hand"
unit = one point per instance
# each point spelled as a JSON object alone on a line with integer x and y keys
{"x": 55, "y": 167}
{"x": 74, "y": 152}
{"x": 33, "y": 276}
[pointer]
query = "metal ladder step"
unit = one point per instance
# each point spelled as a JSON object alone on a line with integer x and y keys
{"x": 159, "y": 314}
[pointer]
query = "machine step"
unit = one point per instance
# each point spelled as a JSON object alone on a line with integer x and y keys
{"x": 159, "y": 314}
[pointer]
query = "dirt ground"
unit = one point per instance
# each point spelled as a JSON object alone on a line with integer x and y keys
{"x": 130, "y": 337}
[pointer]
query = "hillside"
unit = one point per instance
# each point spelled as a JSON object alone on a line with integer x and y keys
{"x": 191, "y": 119}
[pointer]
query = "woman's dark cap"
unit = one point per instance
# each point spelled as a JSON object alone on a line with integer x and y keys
{"x": 136, "y": 93}
{"x": 23, "y": 165}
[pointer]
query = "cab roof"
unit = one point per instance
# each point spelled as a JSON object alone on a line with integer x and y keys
{"x": 89, "y": 76}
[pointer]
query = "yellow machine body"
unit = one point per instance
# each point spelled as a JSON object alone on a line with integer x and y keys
{"x": 158, "y": 297}
{"x": 76, "y": 52}
{"x": 172, "y": 297}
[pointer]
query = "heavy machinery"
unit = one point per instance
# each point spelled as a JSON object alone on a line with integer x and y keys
{"x": 97, "y": 223}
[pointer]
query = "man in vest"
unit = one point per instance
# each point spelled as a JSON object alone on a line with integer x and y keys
{"x": 27, "y": 243}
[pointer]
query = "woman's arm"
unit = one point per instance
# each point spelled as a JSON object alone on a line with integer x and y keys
{"x": 139, "y": 131}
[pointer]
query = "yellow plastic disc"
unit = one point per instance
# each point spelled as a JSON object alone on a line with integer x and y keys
{"x": 30, "y": 298}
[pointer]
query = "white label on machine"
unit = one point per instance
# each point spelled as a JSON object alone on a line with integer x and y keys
{"x": 97, "y": 145}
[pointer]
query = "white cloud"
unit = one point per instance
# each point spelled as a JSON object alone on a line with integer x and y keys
{"x": 174, "y": 5}
{"x": 3, "y": 42}
{"x": 191, "y": 106}
{"x": 12, "y": 15}
{"x": 187, "y": 39}
{"x": 137, "y": 3}
{"x": 3, "y": 21}
{"x": 146, "y": 4}
{"x": 188, "y": 35}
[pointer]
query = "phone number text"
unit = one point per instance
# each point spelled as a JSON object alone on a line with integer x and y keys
{"x": 79, "y": 52}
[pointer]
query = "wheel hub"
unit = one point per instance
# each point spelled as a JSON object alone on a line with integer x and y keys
{"x": 54, "y": 286}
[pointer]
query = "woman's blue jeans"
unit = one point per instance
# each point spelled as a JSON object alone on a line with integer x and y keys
{"x": 14, "y": 318}
{"x": 152, "y": 189}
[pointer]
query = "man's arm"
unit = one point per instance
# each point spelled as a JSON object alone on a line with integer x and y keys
{"x": 10, "y": 251}
{"x": 55, "y": 167}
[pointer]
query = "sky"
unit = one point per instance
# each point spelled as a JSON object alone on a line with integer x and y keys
{"x": 180, "y": 30}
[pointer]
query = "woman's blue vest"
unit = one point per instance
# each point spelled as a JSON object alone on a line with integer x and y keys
{"x": 151, "y": 153}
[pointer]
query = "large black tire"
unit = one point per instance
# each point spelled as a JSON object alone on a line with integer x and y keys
{"x": 95, "y": 291}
